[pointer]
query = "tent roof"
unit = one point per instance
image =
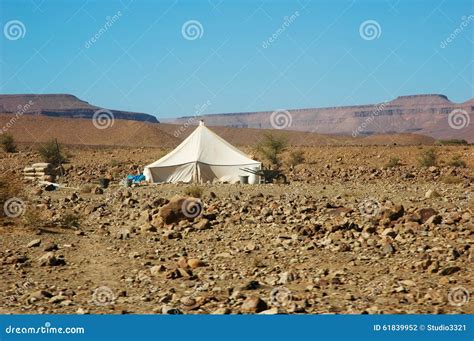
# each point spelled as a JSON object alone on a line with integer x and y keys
{"x": 204, "y": 146}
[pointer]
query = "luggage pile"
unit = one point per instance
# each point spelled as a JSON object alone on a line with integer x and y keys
{"x": 40, "y": 171}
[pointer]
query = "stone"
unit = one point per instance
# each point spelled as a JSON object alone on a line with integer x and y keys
{"x": 50, "y": 259}
{"x": 123, "y": 234}
{"x": 180, "y": 208}
{"x": 157, "y": 269}
{"x": 253, "y": 305}
{"x": 34, "y": 243}
{"x": 449, "y": 270}
{"x": 194, "y": 263}
{"x": 167, "y": 310}
{"x": 426, "y": 213}
{"x": 50, "y": 247}
{"x": 431, "y": 194}
{"x": 202, "y": 224}
{"x": 434, "y": 219}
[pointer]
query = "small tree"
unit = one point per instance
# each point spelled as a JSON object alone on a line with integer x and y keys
{"x": 51, "y": 153}
{"x": 296, "y": 157}
{"x": 428, "y": 158}
{"x": 8, "y": 143}
{"x": 271, "y": 147}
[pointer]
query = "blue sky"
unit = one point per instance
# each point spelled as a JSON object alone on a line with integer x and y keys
{"x": 143, "y": 62}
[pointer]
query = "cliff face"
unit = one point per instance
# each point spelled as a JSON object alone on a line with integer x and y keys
{"x": 61, "y": 105}
{"x": 423, "y": 114}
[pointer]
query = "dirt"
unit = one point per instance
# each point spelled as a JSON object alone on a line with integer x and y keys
{"x": 333, "y": 240}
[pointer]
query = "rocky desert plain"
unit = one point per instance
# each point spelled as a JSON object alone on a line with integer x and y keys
{"x": 353, "y": 232}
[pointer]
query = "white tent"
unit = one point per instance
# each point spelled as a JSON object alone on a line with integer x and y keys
{"x": 203, "y": 156}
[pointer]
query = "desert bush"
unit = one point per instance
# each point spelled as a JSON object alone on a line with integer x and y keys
{"x": 457, "y": 161}
{"x": 393, "y": 162}
{"x": 451, "y": 142}
{"x": 450, "y": 179}
{"x": 52, "y": 153}
{"x": 193, "y": 191}
{"x": 428, "y": 158}
{"x": 114, "y": 163}
{"x": 32, "y": 217}
{"x": 71, "y": 220}
{"x": 271, "y": 148}
{"x": 296, "y": 157}
{"x": 8, "y": 143}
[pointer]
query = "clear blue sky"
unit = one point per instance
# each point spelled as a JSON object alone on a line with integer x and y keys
{"x": 143, "y": 63}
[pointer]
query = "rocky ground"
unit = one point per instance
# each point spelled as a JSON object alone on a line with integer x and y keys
{"x": 346, "y": 235}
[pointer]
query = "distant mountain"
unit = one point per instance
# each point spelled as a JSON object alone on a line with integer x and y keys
{"x": 62, "y": 105}
{"x": 433, "y": 115}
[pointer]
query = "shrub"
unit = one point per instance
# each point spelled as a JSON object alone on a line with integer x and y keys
{"x": 457, "y": 161}
{"x": 86, "y": 188}
{"x": 9, "y": 188}
{"x": 451, "y": 142}
{"x": 193, "y": 191}
{"x": 51, "y": 152}
{"x": 393, "y": 162}
{"x": 296, "y": 157}
{"x": 271, "y": 147}
{"x": 8, "y": 143}
{"x": 428, "y": 158}
{"x": 71, "y": 220}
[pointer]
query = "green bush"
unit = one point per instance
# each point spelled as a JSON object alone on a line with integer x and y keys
{"x": 52, "y": 153}
{"x": 393, "y": 162}
{"x": 8, "y": 143}
{"x": 428, "y": 158}
{"x": 271, "y": 148}
{"x": 451, "y": 142}
{"x": 194, "y": 191}
{"x": 457, "y": 161}
{"x": 296, "y": 157}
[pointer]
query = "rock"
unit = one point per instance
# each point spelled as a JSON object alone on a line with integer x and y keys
{"x": 50, "y": 247}
{"x": 253, "y": 304}
{"x": 431, "y": 194}
{"x": 38, "y": 295}
{"x": 273, "y": 311}
{"x": 34, "y": 243}
{"x": 167, "y": 310}
{"x": 449, "y": 270}
{"x": 50, "y": 259}
{"x": 157, "y": 269}
{"x": 388, "y": 249}
{"x": 426, "y": 213}
{"x": 434, "y": 219}
{"x": 252, "y": 285}
{"x": 203, "y": 224}
{"x": 180, "y": 208}
{"x": 194, "y": 263}
{"x": 221, "y": 311}
{"x": 97, "y": 190}
{"x": 123, "y": 234}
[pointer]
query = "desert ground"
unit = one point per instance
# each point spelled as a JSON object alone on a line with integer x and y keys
{"x": 347, "y": 235}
